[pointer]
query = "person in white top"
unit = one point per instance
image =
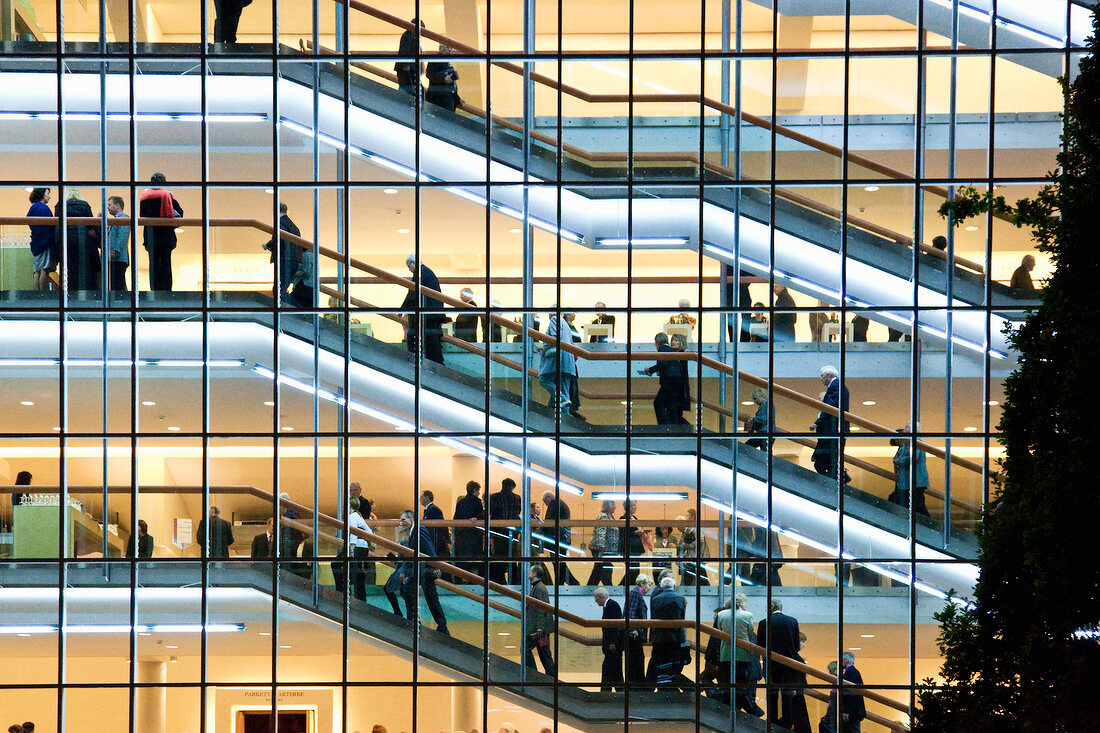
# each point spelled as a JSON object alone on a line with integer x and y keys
{"x": 358, "y": 547}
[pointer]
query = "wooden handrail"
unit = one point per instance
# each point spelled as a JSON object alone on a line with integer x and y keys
{"x": 506, "y": 323}
{"x": 700, "y": 99}
{"x": 691, "y": 158}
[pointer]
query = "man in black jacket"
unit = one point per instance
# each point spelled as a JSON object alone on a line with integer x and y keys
{"x": 783, "y": 323}
{"x": 220, "y": 534}
{"x": 668, "y": 405}
{"x": 144, "y": 542}
{"x": 853, "y": 708}
{"x": 408, "y": 570}
{"x": 778, "y": 633}
{"x": 827, "y": 452}
{"x": 440, "y": 536}
{"x": 668, "y": 656}
{"x": 159, "y": 240}
{"x": 263, "y": 545}
{"x": 288, "y": 253}
{"x": 557, "y": 510}
{"x": 504, "y": 504}
{"x": 430, "y": 324}
{"x": 468, "y": 541}
{"x": 611, "y": 672}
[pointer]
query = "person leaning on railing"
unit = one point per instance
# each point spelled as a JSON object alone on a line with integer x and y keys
{"x": 44, "y": 246}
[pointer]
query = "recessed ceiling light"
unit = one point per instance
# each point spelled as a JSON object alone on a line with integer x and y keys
{"x": 867, "y": 636}
{"x": 402, "y": 230}
{"x": 171, "y": 646}
{"x": 515, "y": 230}
{"x": 265, "y": 633}
{"x": 269, "y": 403}
{"x": 390, "y": 191}
{"x": 27, "y": 403}
{"x": 285, "y": 646}
{"x": 149, "y": 403}
{"x": 971, "y": 228}
{"x": 993, "y": 403}
{"x": 22, "y": 634}
{"x": 28, "y": 189}
{"x": 970, "y": 429}
{"x": 56, "y": 429}
{"x": 855, "y": 648}
{"x": 870, "y": 403}
{"x": 872, "y": 189}
{"x": 509, "y": 646}
{"x": 854, "y": 428}
{"x": 504, "y": 633}
{"x": 173, "y": 428}
{"x": 179, "y": 230}
{"x": 288, "y": 428}
{"x": 269, "y": 190}
{"x": 145, "y": 633}
{"x": 747, "y": 402}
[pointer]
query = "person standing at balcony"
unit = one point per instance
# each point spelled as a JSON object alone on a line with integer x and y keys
{"x": 504, "y": 505}
{"x": 601, "y": 319}
{"x": 668, "y": 404}
{"x": 1021, "y": 282}
{"x": 216, "y": 534}
{"x": 684, "y": 317}
{"x": 263, "y": 544}
{"x": 779, "y": 634}
{"x": 409, "y": 67}
{"x": 558, "y": 511}
{"x": 826, "y": 456}
{"x": 159, "y": 240}
{"x": 144, "y": 542}
{"x": 783, "y": 323}
{"x": 635, "y": 638}
{"x": 118, "y": 238}
{"x": 853, "y": 708}
{"x": 604, "y": 543}
{"x": 44, "y": 248}
{"x": 443, "y": 82}
{"x": 81, "y": 245}
{"x": 430, "y": 324}
{"x": 409, "y": 569}
{"x": 538, "y": 623}
{"x": 227, "y": 16}
{"x": 23, "y": 478}
{"x": 904, "y": 459}
{"x": 611, "y": 671}
{"x": 468, "y": 540}
{"x": 287, "y": 253}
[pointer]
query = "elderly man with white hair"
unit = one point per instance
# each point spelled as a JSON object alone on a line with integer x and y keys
{"x": 826, "y": 455}
{"x": 669, "y": 653}
{"x": 611, "y": 672}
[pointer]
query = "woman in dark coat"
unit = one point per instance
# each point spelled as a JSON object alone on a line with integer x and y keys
{"x": 442, "y": 78}
{"x": 82, "y": 245}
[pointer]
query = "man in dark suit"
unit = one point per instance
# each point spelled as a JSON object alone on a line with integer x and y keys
{"x": 667, "y": 659}
{"x": 605, "y": 319}
{"x": 778, "y": 633}
{"x": 288, "y": 254}
{"x": 468, "y": 540}
{"x": 441, "y": 538}
{"x": 556, "y": 510}
{"x": 159, "y": 240}
{"x": 263, "y": 545}
{"x": 853, "y": 708}
{"x": 408, "y": 570}
{"x": 413, "y": 305}
{"x": 826, "y": 455}
{"x": 611, "y": 672}
{"x": 504, "y": 504}
{"x": 220, "y": 534}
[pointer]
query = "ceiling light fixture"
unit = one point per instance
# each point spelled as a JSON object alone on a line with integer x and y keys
{"x": 971, "y": 228}
{"x": 173, "y": 428}
{"x": 149, "y": 403}
{"x": 402, "y": 230}
{"x": 870, "y": 403}
{"x": 871, "y": 189}
{"x": 970, "y": 429}
{"x": 640, "y": 496}
{"x": 389, "y": 191}
{"x": 27, "y": 403}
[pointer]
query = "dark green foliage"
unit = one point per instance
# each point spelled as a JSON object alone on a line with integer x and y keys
{"x": 1013, "y": 662}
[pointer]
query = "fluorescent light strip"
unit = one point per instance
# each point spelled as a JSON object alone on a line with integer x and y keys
{"x": 79, "y": 362}
{"x": 641, "y": 496}
{"x": 406, "y": 426}
{"x": 121, "y": 628}
{"x": 642, "y": 241}
{"x": 140, "y": 116}
{"x": 459, "y": 191}
{"x": 552, "y": 541}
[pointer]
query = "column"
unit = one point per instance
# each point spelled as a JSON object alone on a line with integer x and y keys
{"x": 465, "y": 709}
{"x": 151, "y": 701}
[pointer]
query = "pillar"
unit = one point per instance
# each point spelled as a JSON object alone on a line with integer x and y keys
{"x": 151, "y": 701}
{"x": 465, "y": 709}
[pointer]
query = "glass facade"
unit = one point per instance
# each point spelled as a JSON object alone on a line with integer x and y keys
{"x": 628, "y": 259}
